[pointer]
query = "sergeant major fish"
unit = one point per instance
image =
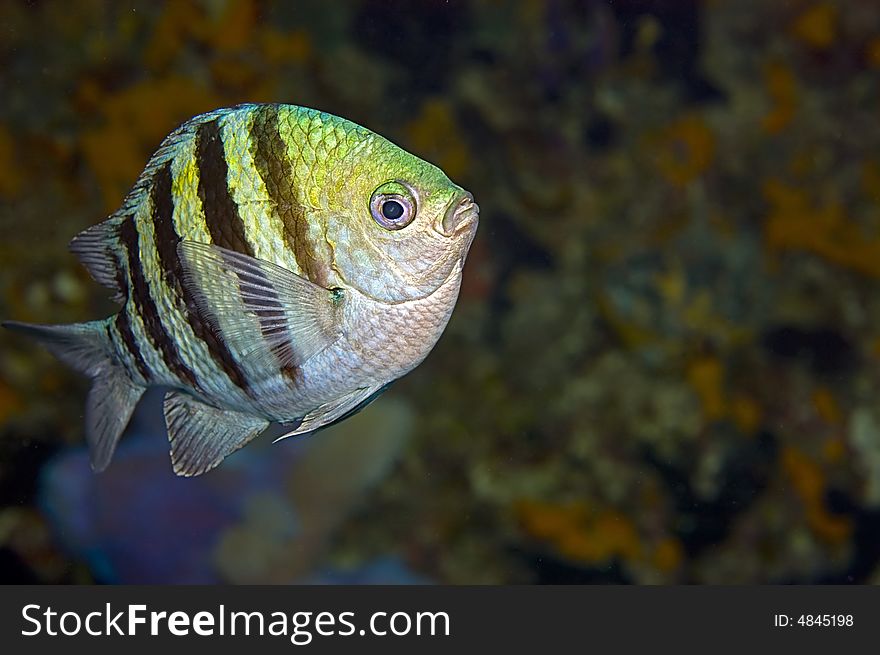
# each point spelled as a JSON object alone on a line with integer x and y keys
{"x": 274, "y": 264}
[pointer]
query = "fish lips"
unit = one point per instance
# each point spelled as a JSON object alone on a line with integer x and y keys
{"x": 461, "y": 217}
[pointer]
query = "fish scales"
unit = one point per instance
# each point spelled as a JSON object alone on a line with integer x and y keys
{"x": 182, "y": 217}
{"x": 219, "y": 209}
{"x": 275, "y": 149}
{"x": 142, "y": 304}
{"x": 275, "y": 264}
{"x": 122, "y": 334}
{"x": 264, "y": 230}
{"x": 262, "y": 226}
{"x": 205, "y": 209}
{"x": 275, "y": 169}
{"x": 130, "y": 351}
{"x": 132, "y": 336}
{"x": 176, "y": 331}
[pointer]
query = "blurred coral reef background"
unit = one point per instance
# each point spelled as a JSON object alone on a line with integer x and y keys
{"x": 665, "y": 363}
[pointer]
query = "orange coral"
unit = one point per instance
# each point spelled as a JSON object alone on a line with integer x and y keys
{"x": 581, "y": 533}
{"x": 746, "y": 413}
{"x": 435, "y": 136}
{"x": 826, "y": 405}
{"x": 685, "y": 149}
{"x": 834, "y": 450}
{"x": 871, "y": 180}
{"x": 809, "y": 483}
{"x": 178, "y": 23}
{"x": 549, "y": 521}
{"x": 874, "y": 348}
{"x": 238, "y": 78}
{"x": 706, "y": 376}
{"x": 817, "y": 26}
{"x": 782, "y": 89}
{"x": 136, "y": 120}
{"x": 610, "y": 534}
{"x": 279, "y": 47}
{"x": 872, "y": 52}
{"x": 667, "y": 555}
{"x": 234, "y": 31}
{"x": 793, "y": 223}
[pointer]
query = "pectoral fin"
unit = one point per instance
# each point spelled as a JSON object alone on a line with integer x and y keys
{"x": 335, "y": 411}
{"x": 266, "y": 314}
{"x": 202, "y": 436}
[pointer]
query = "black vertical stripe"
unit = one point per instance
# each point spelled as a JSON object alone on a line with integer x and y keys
{"x": 166, "y": 246}
{"x": 123, "y": 323}
{"x": 123, "y": 326}
{"x": 221, "y": 211}
{"x": 276, "y": 170}
{"x": 147, "y": 309}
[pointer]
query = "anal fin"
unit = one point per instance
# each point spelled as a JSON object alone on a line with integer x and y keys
{"x": 335, "y": 411}
{"x": 202, "y": 436}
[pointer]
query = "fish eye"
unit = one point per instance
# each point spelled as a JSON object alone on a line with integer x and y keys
{"x": 393, "y": 206}
{"x": 392, "y": 210}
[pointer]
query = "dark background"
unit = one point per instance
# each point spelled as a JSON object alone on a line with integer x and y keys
{"x": 664, "y": 363}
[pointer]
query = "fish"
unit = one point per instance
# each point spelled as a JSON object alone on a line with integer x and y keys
{"x": 275, "y": 264}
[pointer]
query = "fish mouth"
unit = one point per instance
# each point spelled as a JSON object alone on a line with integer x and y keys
{"x": 461, "y": 216}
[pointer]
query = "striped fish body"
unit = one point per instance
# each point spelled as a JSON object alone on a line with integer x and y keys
{"x": 275, "y": 264}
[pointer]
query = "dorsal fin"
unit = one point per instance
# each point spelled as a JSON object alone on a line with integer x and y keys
{"x": 98, "y": 249}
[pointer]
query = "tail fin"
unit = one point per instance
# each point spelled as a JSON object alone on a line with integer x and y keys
{"x": 86, "y": 348}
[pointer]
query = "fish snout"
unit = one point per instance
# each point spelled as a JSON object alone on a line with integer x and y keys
{"x": 460, "y": 215}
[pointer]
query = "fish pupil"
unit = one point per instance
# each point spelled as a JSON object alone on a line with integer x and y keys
{"x": 392, "y": 210}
